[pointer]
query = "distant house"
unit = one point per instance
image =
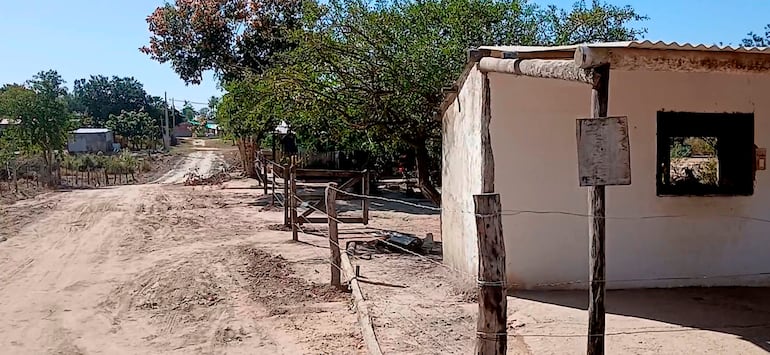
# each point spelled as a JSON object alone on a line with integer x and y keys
{"x": 184, "y": 129}
{"x": 6, "y": 123}
{"x": 90, "y": 140}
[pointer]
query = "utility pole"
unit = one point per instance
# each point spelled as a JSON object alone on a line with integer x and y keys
{"x": 166, "y": 133}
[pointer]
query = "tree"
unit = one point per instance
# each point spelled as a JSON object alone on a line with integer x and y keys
{"x": 138, "y": 127}
{"x": 379, "y": 69}
{"x": 230, "y": 37}
{"x": 756, "y": 40}
{"x": 188, "y": 111}
{"x": 249, "y": 110}
{"x": 237, "y": 39}
{"x": 99, "y": 97}
{"x": 44, "y": 119}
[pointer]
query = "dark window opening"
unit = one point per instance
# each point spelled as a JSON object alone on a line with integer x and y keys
{"x": 705, "y": 154}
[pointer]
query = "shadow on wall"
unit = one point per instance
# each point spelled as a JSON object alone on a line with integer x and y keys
{"x": 740, "y": 311}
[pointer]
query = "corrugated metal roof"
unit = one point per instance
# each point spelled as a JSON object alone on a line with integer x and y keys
{"x": 634, "y": 44}
{"x": 91, "y": 130}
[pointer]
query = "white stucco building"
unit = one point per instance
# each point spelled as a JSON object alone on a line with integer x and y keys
{"x": 509, "y": 127}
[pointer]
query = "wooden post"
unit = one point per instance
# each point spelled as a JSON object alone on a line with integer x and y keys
{"x": 331, "y": 211}
{"x": 365, "y": 192}
{"x": 491, "y": 329}
{"x": 293, "y": 202}
{"x": 597, "y": 274}
{"x": 272, "y": 167}
{"x": 264, "y": 171}
{"x": 286, "y": 178}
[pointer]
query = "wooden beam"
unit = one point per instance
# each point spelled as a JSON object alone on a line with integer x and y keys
{"x": 348, "y": 184}
{"x": 536, "y": 55}
{"x": 327, "y": 173}
{"x": 487, "y": 159}
{"x": 293, "y": 201}
{"x": 307, "y": 197}
{"x": 537, "y": 68}
{"x": 587, "y": 57}
{"x": 596, "y": 228}
{"x": 364, "y": 319}
{"x": 365, "y": 202}
{"x": 331, "y": 211}
{"x": 492, "y": 326}
{"x": 286, "y": 178}
{"x": 311, "y": 220}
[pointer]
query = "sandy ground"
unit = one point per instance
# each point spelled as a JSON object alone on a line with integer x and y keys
{"x": 150, "y": 269}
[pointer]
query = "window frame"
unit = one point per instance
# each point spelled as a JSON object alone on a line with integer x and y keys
{"x": 735, "y": 153}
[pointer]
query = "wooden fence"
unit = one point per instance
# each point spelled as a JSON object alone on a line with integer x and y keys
{"x": 92, "y": 178}
{"x": 295, "y": 188}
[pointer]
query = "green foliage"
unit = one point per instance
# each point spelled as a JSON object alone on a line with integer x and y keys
{"x": 138, "y": 127}
{"x": 230, "y": 37}
{"x": 125, "y": 163}
{"x": 758, "y": 40}
{"x": 371, "y": 74}
{"x": 41, "y": 108}
{"x": 355, "y": 74}
{"x": 99, "y": 97}
{"x": 251, "y": 107}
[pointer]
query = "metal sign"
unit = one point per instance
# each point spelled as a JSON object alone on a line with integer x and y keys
{"x": 604, "y": 154}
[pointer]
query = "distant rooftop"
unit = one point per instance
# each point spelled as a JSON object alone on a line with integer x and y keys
{"x": 91, "y": 130}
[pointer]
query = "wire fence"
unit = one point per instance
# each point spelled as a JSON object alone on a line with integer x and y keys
{"x": 467, "y": 275}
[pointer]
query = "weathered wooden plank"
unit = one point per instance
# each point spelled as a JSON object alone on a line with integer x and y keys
{"x": 348, "y": 184}
{"x": 327, "y": 173}
{"x": 312, "y": 196}
{"x": 492, "y": 326}
{"x": 311, "y": 220}
{"x": 286, "y": 204}
{"x": 487, "y": 159}
{"x": 604, "y": 154}
{"x": 365, "y": 202}
{"x": 293, "y": 203}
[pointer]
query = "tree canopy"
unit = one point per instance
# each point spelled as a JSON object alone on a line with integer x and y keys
{"x": 379, "y": 68}
{"x": 230, "y": 37}
{"x": 40, "y": 106}
{"x": 99, "y": 97}
{"x": 353, "y": 73}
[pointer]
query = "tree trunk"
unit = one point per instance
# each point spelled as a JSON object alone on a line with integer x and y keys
{"x": 247, "y": 147}
{"x": 422, "y": 160}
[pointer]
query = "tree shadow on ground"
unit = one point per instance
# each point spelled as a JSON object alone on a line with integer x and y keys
{"x": 740, "y": 311}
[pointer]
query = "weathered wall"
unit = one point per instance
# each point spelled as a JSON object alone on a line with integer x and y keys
{"x": 533, "y": 138}
{"x": 461, "y": 175}
{"x": 90, "y": 142}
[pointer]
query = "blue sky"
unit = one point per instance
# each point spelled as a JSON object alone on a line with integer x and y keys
{"x": 84, "y": 37}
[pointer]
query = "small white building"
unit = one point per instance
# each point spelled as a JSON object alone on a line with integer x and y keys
{"x": 697, "y": 211}
{"x": 90, "y": 140}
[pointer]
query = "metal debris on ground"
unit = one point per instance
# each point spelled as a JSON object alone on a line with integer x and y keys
{"x": 397, "y": 241}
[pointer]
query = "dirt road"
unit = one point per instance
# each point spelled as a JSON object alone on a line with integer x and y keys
{"x": 202, "y": 162}
{"x": 151, "y": 269}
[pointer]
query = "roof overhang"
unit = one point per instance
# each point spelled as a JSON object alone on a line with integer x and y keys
{"x": 576, "y": 62}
